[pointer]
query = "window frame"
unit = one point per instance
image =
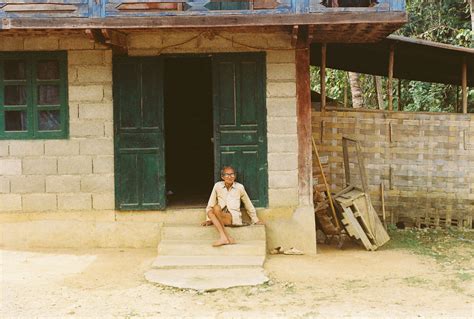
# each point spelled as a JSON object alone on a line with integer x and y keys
{"x": 32, "y": 107}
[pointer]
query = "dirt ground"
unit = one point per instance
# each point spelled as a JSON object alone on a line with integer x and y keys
{"x": 351, "y": 283}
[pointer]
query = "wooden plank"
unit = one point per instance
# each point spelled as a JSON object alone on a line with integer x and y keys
{"x": 464, "y": 85}
{"x": 323, "y": 76}
{"x": 328, "y": 189}
{"x": 345, "y": 154}
{"x": 391, "y": 59}
{"x": 39, "y": 7}
{"x": 212, "y": 19}
{"x": 354, "y": 229}
{"x": 372, "y": 221}
{"x": 303, "y": 100}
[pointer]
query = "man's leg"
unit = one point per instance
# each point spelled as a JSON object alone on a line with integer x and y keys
{"x": 219, "y": 219}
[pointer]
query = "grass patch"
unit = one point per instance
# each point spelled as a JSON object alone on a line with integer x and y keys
{"x": 453, "y": 248}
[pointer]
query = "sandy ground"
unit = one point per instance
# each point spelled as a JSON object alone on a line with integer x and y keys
{"x": 351, "y": 283}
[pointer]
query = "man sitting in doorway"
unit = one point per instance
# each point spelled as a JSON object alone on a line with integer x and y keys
{"x": 223, "y": 208}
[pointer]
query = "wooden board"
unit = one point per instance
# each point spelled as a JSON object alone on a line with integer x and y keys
{"x": 354, "y": 229}
{"x": 364, "y": 213}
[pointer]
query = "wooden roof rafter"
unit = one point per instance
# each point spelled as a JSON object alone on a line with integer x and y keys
{"x": 116, "y": 40}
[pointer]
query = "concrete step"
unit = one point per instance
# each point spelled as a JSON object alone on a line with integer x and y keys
{"x": 193, "y": 232}
{"x": 168, "y": 262}
{"x": 204, "y": 248}
{"x": 207, "y": 278}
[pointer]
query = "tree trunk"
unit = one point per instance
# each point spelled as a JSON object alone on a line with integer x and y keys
{"x": 471, "y": 3}
{"x": 378, "y": 90}
{"x": 356, "y": 91}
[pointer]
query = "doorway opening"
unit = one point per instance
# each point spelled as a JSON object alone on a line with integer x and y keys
{"x": 189, "y": 150}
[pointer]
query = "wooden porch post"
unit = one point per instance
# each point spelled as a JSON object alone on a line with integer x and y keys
{"x": 303, "y": 101}
{"x": 322, "y": 74}
{"x": 464, "y": 86}
{"x": 391, "y": 59}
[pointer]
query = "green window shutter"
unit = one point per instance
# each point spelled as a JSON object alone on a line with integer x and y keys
{"x": 139, "y": 141}
{"x": 240, "y": 121}
{"x": 33, "y": 95}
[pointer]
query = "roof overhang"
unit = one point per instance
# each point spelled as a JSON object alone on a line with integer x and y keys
{"x": 415, "y": 59}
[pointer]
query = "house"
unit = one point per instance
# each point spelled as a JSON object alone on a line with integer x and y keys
{"x": 116, "y": 116}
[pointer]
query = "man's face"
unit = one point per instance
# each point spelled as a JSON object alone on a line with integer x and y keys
{"x": 228, "y": 176}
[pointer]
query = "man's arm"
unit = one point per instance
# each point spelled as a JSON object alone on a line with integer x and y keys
{"x": 211, "y": 202}
{"x": 249, "y": 206}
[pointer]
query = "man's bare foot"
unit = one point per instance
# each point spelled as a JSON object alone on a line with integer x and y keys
{"x": 206, "y": 223}
{"x": 221, "y": 242}
{"x": 232, "y": 241}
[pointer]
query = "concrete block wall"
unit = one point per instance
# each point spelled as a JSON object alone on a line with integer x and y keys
{"x": 70, "y": 174}
{"x": 281, "y": 92}
{"x": 424, "y": 160}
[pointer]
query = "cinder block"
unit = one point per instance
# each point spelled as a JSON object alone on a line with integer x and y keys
{"x": 94, "y": 74}
{"x": 12, "y": 44}
{"x": 108, "y": 129}
{"x": 58, "y": 147}
{"x": 22, "y": 148}
{"x": 10, "y": 167}
{"x": 86, "y": 57}
{"x": 97, "y": 111}
{"x": 41, "y": 43}
{"x": 97, "y": 183}
{"x": 75, "y": 43}
{"x": 75, "y": 165}
{"x": 282, "y": 161}
{"x": 277, "y": 107}
{"x": 283, "y": 197}
{"x": 103, "y": 201}
{"x": 87, "y": 128}
{"x": 77, "y": 201}
{"x": 286, "y": 56}
{"x": 108, "y": 57}
{"x": 246, "y": 40}
{"x": 39, "y": 202}
{"x": 40, "y": 166}
{"x": 4, "y": 148}
{"x": 281, "y": 89}
{"x": 10, "y": 202}
{"x": 147, "y": 41}
{"x": 63, "y": 184}
{"x": 27, "y": 184}
{"x": 283, "y": 179}
{"x": 103, "y": 165}
{"x": 281, "y": 143}
{"x": 4, "y": 185}
{"x": 282, "y": 125}
{"x": 86, "y": 93}
{"x": 281, "y": 71}
{"x": 97, "y": 147}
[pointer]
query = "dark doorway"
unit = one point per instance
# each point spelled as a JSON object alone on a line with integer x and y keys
{"x": 188, "y": 131}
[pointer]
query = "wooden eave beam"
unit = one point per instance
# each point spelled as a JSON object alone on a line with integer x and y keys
{"x": 200, "y": 21}
{"x": 115, "y": 40}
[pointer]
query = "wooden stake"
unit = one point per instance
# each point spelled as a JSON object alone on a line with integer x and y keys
{"x": 323, "y": 76}
{"x": 391, "y": 60}
{"x": 333, "y": 210}
{"x": 400, "y": 104}
{"x": 382, "y": 194}
{"x": 345, "y": 90}
{"x": 464, "y": 86}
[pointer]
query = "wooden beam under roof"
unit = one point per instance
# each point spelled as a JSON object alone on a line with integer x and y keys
{"x": 198, "y": 21}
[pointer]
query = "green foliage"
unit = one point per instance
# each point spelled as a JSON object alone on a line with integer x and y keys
{"x": 446, "y": 21}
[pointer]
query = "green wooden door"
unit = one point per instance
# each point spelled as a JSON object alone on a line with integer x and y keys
{"x": 240, "y": 121}
{"x": 139, "y": 141}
